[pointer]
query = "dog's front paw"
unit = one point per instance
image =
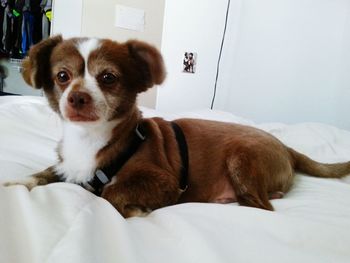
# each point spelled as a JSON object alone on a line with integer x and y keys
{"x": 134, "y": 210}
{"x": 29, "y": 182}
{"x": 42, "y": 178}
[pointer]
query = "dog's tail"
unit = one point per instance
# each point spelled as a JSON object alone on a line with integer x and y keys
{"x": 304, "y": 164}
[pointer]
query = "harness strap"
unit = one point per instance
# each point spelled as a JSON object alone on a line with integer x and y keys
{"x": 181, "y": 141}
{"x": 104, "y": 175}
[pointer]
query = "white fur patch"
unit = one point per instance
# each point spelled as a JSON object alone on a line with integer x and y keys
{"x": 79, "y": 148}
{"x": 85, "y": 47}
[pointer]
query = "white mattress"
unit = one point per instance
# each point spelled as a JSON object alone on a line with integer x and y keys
{"x": 64, "y": 223}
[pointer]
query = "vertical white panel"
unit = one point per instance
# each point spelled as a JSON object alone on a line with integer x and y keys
{"x": 67, "y": 17}
{"x": 197, "y": 26}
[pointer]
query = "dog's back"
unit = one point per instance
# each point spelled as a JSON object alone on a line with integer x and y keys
{"x": 250, "y": 160}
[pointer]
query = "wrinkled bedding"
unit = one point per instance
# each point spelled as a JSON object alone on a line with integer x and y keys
{"x": 64, "y": 223}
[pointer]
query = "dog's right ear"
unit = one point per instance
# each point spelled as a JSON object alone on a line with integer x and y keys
{"x": 36, "y": 67}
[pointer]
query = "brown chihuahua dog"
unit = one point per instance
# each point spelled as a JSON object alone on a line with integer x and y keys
{"x": 140, "y": 164}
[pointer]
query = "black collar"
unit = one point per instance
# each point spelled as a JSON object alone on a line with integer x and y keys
{"x": 104, "y": 175}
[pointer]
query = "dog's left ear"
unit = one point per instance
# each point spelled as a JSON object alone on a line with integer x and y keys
{"x": 149, "y": 63}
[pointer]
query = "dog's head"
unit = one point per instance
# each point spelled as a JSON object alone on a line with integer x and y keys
{"x": 90, "y": 80}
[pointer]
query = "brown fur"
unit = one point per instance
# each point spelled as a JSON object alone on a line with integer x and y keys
{"x": 227, "y": 162}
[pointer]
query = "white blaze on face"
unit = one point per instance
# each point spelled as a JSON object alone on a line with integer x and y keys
{"x": 85, "y": 48}
{"x": 90, "y": 85}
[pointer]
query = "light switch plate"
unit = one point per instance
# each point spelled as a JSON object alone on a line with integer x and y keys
{"x": 129, "y": 18}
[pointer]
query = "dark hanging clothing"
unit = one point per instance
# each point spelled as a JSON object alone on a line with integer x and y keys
{"x": 46, "y": 6}
{"x": 21, "y": 25}
{"x": 27, "y": 32}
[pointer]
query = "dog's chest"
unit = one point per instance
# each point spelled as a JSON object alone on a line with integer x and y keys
{"x": 78, "y": 151}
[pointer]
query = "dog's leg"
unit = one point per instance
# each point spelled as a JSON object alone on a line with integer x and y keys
{"x": 139, "y": 192}
{"x": 42, "y": 178}
{"x": 248, "y": 184}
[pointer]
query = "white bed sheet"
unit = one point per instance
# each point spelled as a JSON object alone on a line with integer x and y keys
{"x": 64, "y": 223}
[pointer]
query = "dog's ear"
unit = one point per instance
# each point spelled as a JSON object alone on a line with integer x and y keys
{"x": 36, "y": 67}
{"x": 149, "y": 63}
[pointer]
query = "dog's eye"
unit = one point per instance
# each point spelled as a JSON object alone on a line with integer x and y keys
{"x": 63, "y": 77}
{"x": 108, "y": 78}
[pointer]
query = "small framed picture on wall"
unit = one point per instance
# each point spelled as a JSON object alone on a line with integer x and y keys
{"x": 189, "y": 62}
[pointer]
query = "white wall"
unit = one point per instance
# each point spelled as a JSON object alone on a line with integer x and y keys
{"x": 286, "y": 61}
{"x": 67, "y": 16}
{"x": 283, "y": 60}
{"x": 195, "y": 25}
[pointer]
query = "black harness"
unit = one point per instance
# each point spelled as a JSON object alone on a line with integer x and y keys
{"x": 104, "y": 175}
{"x": 181, "y": 141}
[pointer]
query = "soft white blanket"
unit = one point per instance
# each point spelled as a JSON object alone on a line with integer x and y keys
{"x": 64, "y": 223}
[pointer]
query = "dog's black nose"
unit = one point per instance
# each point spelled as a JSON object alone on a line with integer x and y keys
{"x": 78, "y": 99}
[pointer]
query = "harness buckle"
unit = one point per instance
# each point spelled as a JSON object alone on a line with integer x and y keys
{"x": 101, "y": 176}
{"x": 139, "y": 133}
